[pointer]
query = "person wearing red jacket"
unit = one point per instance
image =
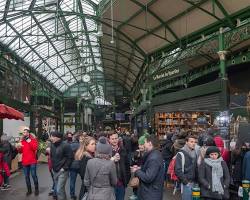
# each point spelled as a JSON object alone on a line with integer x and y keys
{"x": 28, "y": 148}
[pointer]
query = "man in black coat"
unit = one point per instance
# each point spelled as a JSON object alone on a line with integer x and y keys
{"x": 119, "y": 156}
{"x": 61, "y": 159}
{"x": 151, "y": 174}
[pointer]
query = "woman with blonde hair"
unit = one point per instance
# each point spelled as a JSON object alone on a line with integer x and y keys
{"x": 84, "y": 153}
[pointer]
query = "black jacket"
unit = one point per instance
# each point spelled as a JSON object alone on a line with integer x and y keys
{"x": 205, "y": 179}
{"x": 122, "y": 166}
{"x": 83, "y": 164}
{"x": 190, "y": 168}
{"x": 151, "y": 176}
{"x": 61, "y": 156}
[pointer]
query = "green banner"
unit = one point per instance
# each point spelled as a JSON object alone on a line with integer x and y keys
{"x": 169, "y": 73}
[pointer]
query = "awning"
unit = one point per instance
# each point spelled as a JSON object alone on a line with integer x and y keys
{"x": 10, "y": 113}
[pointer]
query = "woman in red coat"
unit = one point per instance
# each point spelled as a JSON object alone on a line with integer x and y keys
{"x": 28, "y": 147}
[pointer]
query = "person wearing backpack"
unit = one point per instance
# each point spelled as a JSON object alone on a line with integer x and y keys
{"x": 214, "y": 176}
{"x": 186, "y": 165}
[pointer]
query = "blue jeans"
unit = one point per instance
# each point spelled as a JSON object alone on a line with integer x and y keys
{"x": 60, "y": 179}
{"x": 30, "y": 169}
{"x": 187, "y": 192}
{"x": 119, "y": 192}
{"x": 72, "y": 176}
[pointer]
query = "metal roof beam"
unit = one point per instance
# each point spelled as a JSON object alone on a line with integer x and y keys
{"x": 135, "y": 15}
{"x": 225, "y": 13}
{"x": 13, "y": 28}
{"x": 6, "y": 9}
{"x": 157, "y": 17}
{"x": 170, "y": 20}
{"x": 87, "y": 36}
{"x": 52, "y": 44}
{"x": 32, "y": 4}
{"x": 123, "y": 66}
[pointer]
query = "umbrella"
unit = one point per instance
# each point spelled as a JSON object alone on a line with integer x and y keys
{"x": 10, "y": 113}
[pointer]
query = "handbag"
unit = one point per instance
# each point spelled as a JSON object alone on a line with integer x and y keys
{"x": 134, "y": 182}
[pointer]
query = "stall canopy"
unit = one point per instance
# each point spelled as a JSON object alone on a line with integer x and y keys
{"x": 10, "y": 113}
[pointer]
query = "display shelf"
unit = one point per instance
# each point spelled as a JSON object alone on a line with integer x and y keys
{"x": 164, "y": 122}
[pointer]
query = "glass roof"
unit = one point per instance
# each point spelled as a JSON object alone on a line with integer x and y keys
{"x": 56, "y": 38}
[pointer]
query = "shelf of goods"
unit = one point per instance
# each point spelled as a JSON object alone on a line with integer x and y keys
{"x": 164, "y": 122}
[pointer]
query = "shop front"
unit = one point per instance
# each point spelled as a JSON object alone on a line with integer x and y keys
{"x": 188, "y": 109}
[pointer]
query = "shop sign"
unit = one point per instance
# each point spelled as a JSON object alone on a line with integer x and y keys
{"x": 169, "y": 73}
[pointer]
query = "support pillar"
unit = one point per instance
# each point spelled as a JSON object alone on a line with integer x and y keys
{"x": 224, "y": 104}
{"x": 62, "y": 117}
{"x": 32, "y": 121}
{"x": 78, "y": 115}
{"x": 223, "y": 74}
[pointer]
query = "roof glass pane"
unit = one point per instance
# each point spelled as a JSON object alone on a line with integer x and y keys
{"x": 40, "y": 36}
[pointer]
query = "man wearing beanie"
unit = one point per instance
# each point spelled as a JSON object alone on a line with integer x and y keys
{"x": 151, "y": 173}
{"x": 61, "y": 159}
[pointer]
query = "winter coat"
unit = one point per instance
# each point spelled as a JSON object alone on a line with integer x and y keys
{"x": 8, "y": 153}
{"x": 61, "y": 156}
{"x": 190, "y": 168}
{"x": 225, "y": 154}
{"x": 246, "y": 167}
{"x": 83, "y": 163}
{"x": 167, "y": 152}
{"x": 122, "y": 166}
{"x": 205, "y": 179}
{"x": 151, "y": 176}
{"x": 3, "y": 167}
{"x": 100, "y": 179}
{"x": 29, "y": 151}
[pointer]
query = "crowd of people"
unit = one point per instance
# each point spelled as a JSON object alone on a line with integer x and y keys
{"x": 111, "y": 161}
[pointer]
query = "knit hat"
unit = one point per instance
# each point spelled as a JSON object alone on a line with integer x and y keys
{"x": 141, "y": 140}
{"x": 212, "y": 149}
{"x": 56, "y": 134}
{"x": 103, "y": 147}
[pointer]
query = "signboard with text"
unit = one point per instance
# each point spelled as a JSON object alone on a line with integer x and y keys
{"x": 169, "y": 73}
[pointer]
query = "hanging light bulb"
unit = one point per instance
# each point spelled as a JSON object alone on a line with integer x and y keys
{"x": 112, "y": 23}
{"x": 99, "y": 32}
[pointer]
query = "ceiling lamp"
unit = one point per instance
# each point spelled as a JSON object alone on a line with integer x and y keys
{"x": 99, "y": 31}
{"x": 112, "y": 23}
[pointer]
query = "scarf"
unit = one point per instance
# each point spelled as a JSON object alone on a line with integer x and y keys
{"x": 217, "y": 173}
{"x": 191, "y": 153}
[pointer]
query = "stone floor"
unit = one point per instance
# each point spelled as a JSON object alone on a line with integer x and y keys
{"x": 18, "y": 190}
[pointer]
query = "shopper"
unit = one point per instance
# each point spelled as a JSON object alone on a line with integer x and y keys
{"x": 119, "y": 156}
{"x": 84, "y": 153}
{"x": 4, "y": 170}
{"x": 246, "y": 166}
{"x": 61, "y": 159}
{"x": 74, "y": 167}
{"x": 28, "y": 148}
{"x": 214, "y": 176}
{"x": 225, "y": 154}
{"x": 9, "y": 153}
{"x": 151, "y": 173}
{"x": 100, "y": 176}
{"x": 187, "y": 176}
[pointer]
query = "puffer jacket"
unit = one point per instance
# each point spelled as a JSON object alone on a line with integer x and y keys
{"x": 29, "y": 151}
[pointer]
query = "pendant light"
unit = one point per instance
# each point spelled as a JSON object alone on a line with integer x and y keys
{"x": 112, "y": 23}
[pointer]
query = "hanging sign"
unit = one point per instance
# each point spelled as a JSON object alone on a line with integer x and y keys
{"x": 169, "y": 73}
